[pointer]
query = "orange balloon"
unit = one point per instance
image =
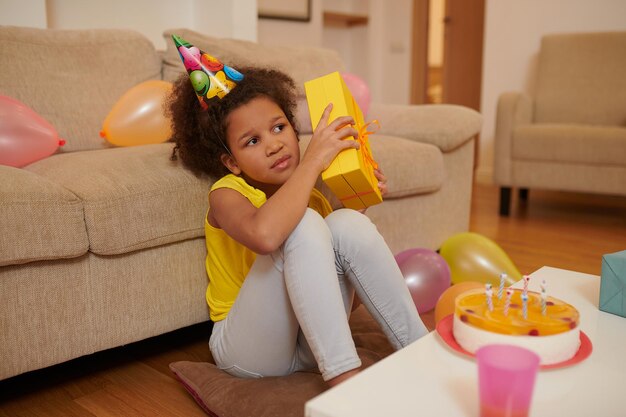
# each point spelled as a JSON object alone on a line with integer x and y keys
{"x": 445, "y": 304}
{"x": 137, "y": 118}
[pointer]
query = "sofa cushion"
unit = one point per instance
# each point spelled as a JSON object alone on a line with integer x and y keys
{"x": 570, "y": 143}
{"x": 133, "y": 197}
{"x": 39, "y": 219}
{"x": 301, "y": 63}
{"x": 411, "y": 167}
{"x": 222, "y": 395}
{"x": 72, "y": 78}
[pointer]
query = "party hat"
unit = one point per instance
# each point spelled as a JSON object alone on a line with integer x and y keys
{"x": 210, "y": 78}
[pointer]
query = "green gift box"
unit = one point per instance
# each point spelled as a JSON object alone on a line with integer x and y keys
{"x": 613, "y": 283}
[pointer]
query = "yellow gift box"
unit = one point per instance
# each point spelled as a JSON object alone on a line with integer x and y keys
{"x": 351, "y": 174}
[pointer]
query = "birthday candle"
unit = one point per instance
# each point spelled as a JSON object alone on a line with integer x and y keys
{"x": 525, "y": 306}
{"x": 544, "y": 297}
{"x": 501, "y": 288}
{"x": 507, "y": 303}
{"x": 526, "y": 279}
{"x": 489, "y": 294}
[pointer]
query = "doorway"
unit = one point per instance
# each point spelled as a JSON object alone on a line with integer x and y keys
{"x": 447, "y": 52}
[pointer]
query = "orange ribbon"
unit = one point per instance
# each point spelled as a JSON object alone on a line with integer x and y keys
{"x": 363, "y": 134}
{"x": 356, "y": 195}
{"x": 362, "y": 139}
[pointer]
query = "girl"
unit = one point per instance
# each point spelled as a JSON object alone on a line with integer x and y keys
{"x": 283, "y": 268}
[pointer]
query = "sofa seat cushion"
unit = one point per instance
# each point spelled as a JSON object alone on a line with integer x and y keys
{"x": 301, "y": 63}
{"x": 411, "y": 168}
{"x": 72, "y": 78}
{"x": 39, "y": 220}
{"x": 570, "y": 143}
{"x": 133, "y": 197}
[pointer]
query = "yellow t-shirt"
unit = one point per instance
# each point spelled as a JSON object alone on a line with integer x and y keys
{"x": 228, "y": 261}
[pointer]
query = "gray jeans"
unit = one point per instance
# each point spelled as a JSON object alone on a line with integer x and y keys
{"x": 292, "y": 310}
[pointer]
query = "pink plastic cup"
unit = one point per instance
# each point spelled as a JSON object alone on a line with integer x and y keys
{"x": 506, "y": 376}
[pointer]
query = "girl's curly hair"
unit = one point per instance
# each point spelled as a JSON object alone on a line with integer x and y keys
{"x": 200, "y": 135}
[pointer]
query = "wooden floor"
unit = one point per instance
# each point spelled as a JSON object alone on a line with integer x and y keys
{"x": 569, "y": 231}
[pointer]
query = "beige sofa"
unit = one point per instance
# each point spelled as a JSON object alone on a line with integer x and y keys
{"x": 103, "y": 246}
{"x": 571, "y": 134}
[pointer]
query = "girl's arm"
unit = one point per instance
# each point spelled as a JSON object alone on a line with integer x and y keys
{"x": 264, "y": 229}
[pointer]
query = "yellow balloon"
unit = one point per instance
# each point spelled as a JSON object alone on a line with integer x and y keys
{"x": 137, "y": 118}
{"x": 445, "y": 303}
{"x": 474, "y": 257}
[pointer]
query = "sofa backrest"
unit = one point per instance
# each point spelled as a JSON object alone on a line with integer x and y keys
{"x": 582, "y": 79}
{"x": 73, "y": 78}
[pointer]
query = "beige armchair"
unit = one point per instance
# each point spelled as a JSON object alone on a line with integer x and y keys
{"x": 571, "y": 134}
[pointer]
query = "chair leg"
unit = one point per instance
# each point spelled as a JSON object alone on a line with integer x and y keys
{"x": 505, "y": 200}
{"x": 523, "y": 194}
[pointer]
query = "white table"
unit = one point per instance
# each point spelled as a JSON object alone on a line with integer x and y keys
{"x": 427, "y": 378}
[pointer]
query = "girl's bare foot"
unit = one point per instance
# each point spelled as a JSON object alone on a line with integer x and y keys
{"x": 340, "y": 378}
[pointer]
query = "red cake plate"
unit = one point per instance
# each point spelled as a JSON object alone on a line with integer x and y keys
{"x": 444, "y": 328}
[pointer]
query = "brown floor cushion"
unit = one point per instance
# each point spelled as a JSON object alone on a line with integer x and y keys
{"x": 222, "y": 395}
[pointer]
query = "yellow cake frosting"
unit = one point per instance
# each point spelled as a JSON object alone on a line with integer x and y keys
{"x": 472, "y": 308}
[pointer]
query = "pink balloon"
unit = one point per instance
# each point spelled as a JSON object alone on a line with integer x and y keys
{"x": 406, "y": 254}
{"x": 426, "y": 274}
{"x": 25, "y": 137}
{"x": 359, "y": 89}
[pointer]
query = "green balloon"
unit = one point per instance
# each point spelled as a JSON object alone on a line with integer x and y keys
{"x": 200, "y": 82}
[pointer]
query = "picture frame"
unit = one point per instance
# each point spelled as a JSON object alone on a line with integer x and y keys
{"x": 296, "y": 10}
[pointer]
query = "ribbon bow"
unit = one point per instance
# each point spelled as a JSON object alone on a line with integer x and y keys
{"x": 362, "y": 139}
{"x": 363, "y": 134}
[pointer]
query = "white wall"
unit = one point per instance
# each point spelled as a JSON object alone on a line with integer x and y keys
{"x": 287, "y": 32}
{"x": 379, "y": 52}
{"x": 30, "y": 13}
{"x": 233, "y": 18}
{"x": 390, "y": 45}
{"x": 513, "y": 30}
{"x": 353, "y": 44}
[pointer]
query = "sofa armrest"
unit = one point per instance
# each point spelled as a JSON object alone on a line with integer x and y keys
{"x": 446, "y": 126}
{"x": 514, "y": 109}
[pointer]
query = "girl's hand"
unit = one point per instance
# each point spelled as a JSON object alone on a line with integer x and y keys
{"x": 382, "y": 181}
{"x": 327, "y": 140}
{"x": 382, "y": 184}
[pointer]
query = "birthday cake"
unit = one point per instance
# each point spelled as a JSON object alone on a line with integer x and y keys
{"x": 545, "y": 325}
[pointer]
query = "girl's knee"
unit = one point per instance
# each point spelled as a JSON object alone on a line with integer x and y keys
{"x": 351, "y": 223}
{"x": 310, "y": 226}
{"x": 312, "y": 219}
